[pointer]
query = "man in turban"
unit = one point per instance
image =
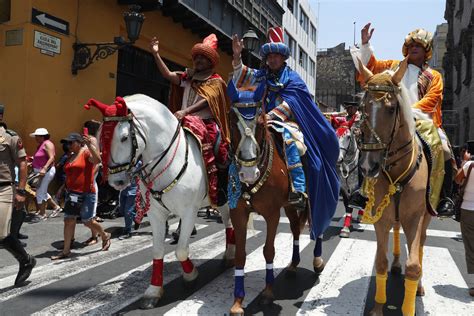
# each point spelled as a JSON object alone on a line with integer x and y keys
{"x": 289, "y": 105}
{"x": 425, "y": 92}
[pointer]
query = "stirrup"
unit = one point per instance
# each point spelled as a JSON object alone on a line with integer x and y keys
{"x": 297, "y": 199}
{"x": 445, "y": 207}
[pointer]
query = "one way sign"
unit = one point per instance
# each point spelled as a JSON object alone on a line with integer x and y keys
{"x": 49, "y": 21}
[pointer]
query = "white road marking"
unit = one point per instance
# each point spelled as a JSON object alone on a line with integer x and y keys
{"x": 56, "y": 271}
{"x": 217, "y": 296}
{"x": 344, "y": 282}
{"x": 119, "y": 292}
{"x": 446, "y": 291}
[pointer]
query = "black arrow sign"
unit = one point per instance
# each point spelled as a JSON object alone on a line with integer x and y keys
{"x": 49, "y": 21}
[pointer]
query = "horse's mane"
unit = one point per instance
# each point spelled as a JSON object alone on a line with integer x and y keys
{"x": 385, "y": 79}
{"x": 142, "y": 105}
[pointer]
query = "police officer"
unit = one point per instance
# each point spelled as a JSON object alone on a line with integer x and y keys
{"x": 13, "y": 154}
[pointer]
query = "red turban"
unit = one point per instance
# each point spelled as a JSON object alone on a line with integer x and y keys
{"x": 208, "y": 48}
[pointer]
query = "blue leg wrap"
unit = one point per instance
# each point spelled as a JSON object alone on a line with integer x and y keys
{"x": 318, "y": 248}
{"x": 269, "y": 278}
{"x": 293, "y": 158}
{"x": 239, "y": 286}
{"x": 296, "y": 254}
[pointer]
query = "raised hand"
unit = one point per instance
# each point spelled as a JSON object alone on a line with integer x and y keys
{"x": 366, "y": 33}
{"x": 155, "y": 45}
{"x": 237, "y": 45}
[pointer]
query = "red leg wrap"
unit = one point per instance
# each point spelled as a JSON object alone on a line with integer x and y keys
{"x": 229, "y": 236}
{"x": 157, "y": 273}
{"x": 347, "y": 220}
{"x": 361, "y": 212}
{"x": 187, "y": 266}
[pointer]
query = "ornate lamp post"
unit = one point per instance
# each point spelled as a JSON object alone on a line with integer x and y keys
{"x": 83, "y": 57}
{"x": 251, "y": 42}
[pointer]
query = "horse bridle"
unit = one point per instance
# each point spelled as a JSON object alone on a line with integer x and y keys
{"x": 379, "y": 145}
{"x": 128, "y": 166}
{"x": 247, "y": 133}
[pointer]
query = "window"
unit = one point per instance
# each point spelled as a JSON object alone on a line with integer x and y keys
{"x": 291, "y": 44}
{"x": 304, "y": 21}
{"x": 312, "y": 68}
{"x": 303, "y": 60}
{"x": 313, "y": 33}
{"x": 290, "y": 4}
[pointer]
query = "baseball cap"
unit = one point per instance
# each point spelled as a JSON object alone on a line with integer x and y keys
{"x": 72, "y": 137}
{"x": 40, "y": 132}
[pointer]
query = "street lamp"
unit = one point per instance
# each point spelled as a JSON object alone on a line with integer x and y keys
{"x": 83, "y": 57}
{"x": 251, "y": 42}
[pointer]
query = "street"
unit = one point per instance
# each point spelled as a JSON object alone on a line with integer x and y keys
{"x": 112, "y": 282}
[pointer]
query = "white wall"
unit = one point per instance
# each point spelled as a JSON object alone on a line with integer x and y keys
{"x": 291, "y": 24}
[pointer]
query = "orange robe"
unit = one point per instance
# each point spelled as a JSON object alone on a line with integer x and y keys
{"x": 430, "y": 94}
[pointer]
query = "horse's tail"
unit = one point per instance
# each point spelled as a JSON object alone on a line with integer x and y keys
{"x": 250, "y": 225}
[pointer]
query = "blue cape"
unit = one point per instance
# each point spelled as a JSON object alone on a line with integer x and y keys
{"x": 322, "y": 144}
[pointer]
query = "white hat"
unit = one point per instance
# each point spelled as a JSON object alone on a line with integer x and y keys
{"x": 40, "y": 132}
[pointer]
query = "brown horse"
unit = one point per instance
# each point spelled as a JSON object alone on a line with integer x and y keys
{"x": 392, "y": 156}
{"x": 255, "y": 153}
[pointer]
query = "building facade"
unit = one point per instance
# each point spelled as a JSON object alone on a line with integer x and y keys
{"x": 439, "y": 47}
{"x": 301, "y": 28}
{"x": 38, "y": 87}
{"x": 458, "y": 66}
{"x": 335, "y": 80}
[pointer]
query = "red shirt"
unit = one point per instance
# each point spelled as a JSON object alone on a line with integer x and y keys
{"x": 80, "y": 173}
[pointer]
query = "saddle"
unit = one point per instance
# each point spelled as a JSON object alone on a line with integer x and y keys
{"x": 195, "y": 126}
{"x": 433, "y": 151}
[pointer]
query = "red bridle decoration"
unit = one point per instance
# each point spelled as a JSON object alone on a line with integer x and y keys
{"x": 118, "y": 109}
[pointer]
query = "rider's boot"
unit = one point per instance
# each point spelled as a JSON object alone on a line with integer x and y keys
{"x": 446, "y": 204}
{"x": 27, "y": 262}
{"x": 296, "y": 196}
{"x": 357, "y": 201}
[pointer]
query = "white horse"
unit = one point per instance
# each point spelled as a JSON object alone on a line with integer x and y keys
{"x": 172, "y": 162}
{"x": 347, "y": 170}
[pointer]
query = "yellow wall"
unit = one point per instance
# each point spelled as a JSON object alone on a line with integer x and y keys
{"x": 39, "y": 90}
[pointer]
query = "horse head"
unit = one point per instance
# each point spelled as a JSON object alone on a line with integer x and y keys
{"x": 123, "y": 135}
{"x": 385, "y": 117}
{"x": 248, "y": 134}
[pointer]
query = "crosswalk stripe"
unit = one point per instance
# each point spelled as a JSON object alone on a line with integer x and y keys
{"x": 344, "y": 282}
{"x": 446, "y": 291}
{"x": 129, "y": 287}
{"x": 216, "y": 297}
{"x": 55, "y": 271}
{"x": 429, "y": 232}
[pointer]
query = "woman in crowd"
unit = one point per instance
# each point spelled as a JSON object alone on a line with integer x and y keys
{"x": 43, "y": 163}
{"x": 80, "y": 191}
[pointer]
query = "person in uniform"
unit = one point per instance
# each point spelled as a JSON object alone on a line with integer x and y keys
{"x": 12, "y": 199}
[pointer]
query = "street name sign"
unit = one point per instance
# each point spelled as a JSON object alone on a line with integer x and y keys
{"x": 46, "y": 42}
{"x": 50, "y": 22}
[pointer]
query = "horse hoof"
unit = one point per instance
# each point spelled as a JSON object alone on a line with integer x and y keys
{"x": 420, "y": 291}
{"x": 318, "y": 269}
{"x": 377, "y": 310}
{"x": 149, "y": 302}
{"x": 236, "y": 309}
{"x": 396, "y": 270}
{"x": 290, "y": 271}
{"x": 237, "y": 312}
{"x": 267, "y": 300}
{"x": 344, "y": 234}
{"x": 190, "y": 277}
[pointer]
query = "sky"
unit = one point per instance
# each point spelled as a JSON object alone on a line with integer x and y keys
{"x": 391, "y": 19}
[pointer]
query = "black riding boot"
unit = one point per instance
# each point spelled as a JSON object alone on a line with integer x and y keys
{"x": 298, "y": 200}
{"x": 27, "y": 262}
{"x": 446, "y": 204}
{"x": 357, "y": 201}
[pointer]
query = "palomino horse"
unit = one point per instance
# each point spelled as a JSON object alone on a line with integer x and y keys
{"x": 347, "y": 166}
{"x": 255, "y": 153}
{"x": 392, "y": 156}
{"x": 173, "y": 168}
